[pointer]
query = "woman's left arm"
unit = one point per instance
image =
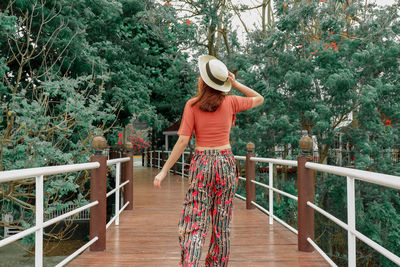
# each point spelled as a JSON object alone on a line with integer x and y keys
{"x": 178, "y": 149}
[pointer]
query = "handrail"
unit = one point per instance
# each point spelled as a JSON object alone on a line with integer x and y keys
{"x": 117, "y": 215}
{"x": 366, "y": 176}
{"x": 241, "y": 197}
{"x": 276, "y": 190}
{"x": 77, "y": 252}
{"x": 157, "y": 165}
{"x": 115, "y": 189}
{"x": 323, "y": 254}
{"x": 271, "y": 188}
{"x": 70, "y": 213}
{"x": 368, "y": 241}
{"x": 39, "y": 173}
{"x": 14, "y": 175}
{"x": 115, "y": 161}
{"x": 275, "y": 217}
{"x": 275, "y": 161}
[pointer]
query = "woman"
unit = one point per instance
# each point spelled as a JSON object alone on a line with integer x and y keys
{"x": 213, "y": 174}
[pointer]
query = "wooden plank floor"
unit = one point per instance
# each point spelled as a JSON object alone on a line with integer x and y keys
{"x": 148, "y": 234}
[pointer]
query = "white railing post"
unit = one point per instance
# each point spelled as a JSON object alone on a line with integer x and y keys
{"x": 351, "y": 221}
{"x": 158, "y": 158}
{"x": 117, "y": 182}
{"x": 151, "y": 158}
{"x": 183, "y": 163}
{"x": 39, "y": 222}
{"x": 271, "y": 193}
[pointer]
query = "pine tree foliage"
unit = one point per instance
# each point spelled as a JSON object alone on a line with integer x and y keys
{"x": 321, "y": 63}
{"x": 70, "y": 70}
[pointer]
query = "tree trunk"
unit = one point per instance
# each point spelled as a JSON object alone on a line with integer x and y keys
{"x": 263, "y": 16}
{"x": 211, "y": 38}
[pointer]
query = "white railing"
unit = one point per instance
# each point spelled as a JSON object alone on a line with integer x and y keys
{"x": 117, "y": 189}
{"x": 182, "y": 161}
{"x": 370, "y": 177}
{"x": 40, "y": 224}
{"x": 38, "y": 174}
{"x": 351, "y": 174}
{"x": 271, "y": 188}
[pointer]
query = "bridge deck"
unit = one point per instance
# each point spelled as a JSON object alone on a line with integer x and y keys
{"x": 148, "y": 234}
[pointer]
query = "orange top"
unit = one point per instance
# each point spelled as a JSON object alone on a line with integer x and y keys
{"x": 212, "y": 128}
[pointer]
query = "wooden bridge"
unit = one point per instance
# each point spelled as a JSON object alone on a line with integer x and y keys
{"x": 148, "y": 234}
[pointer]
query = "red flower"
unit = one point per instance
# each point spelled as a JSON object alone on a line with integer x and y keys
{"x": 188, "y": 21}
{"x": 200, "y": 176}
{"x": 333, "y": 44}
{"x": 195, "y": 226}
{"x": 196, "y": 207}
{"x": 225, "y": 259}
{"x": 216, "y": 249}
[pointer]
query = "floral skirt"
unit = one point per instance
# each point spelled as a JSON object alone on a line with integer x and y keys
{"x": 213, "y": 179}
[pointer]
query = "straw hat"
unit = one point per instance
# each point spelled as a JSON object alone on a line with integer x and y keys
{"x": 214, "y": 73}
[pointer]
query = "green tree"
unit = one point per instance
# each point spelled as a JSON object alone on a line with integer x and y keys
{"x": 319, "y": 64}
{"x": 72, "y": 69}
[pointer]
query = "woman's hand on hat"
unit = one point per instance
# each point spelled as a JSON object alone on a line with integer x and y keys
{"x": 232, "y": 78}
{"x": 158, "y": 179}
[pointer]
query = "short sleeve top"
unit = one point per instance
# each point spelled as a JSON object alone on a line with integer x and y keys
{"x": 212, "y": 128}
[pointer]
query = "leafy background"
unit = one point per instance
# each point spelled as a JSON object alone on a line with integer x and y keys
{"x": 72, "y": 69}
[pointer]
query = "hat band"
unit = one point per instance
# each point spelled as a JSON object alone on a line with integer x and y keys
{"x": 212, "y": 77}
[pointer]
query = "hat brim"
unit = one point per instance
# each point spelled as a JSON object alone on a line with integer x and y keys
{"x": 226, "y": 87}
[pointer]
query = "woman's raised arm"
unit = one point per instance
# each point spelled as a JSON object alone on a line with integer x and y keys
{"x": 257, "y": 98}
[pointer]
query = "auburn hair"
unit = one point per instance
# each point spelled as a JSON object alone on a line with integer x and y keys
{"x": 209, "y": 99}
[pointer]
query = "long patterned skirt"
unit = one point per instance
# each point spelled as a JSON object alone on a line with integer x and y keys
{"x": 213, "y": 179}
